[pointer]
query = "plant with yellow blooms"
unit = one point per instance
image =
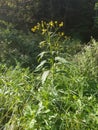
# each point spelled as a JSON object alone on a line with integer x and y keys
{"x": 47, "y": 27}
{"x": 53, "y": 39}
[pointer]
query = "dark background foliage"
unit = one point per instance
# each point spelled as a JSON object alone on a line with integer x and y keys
{"x": 78, "y": 15}
{"x": 17, "y": 17}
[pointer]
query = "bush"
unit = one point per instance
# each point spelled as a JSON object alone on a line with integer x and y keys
{"x": 16, "y": 46}
{"x": 87, "y": 62}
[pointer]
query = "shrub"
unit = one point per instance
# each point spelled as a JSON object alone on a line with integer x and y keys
{"x": 87, "y": 62}
{"x": 16, "y": 46}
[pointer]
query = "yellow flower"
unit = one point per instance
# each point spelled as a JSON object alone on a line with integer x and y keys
{"x": 62, "y": 33}
{"x": 61, "y": 24}
{"x": 44, "y": 31}
{"x": 33, "y": 29}
{"x": 55, "y": 22}
{"x": 51, "y": 23}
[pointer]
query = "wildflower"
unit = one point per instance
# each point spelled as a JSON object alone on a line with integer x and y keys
{"x": 33, "y": 29}
{"x": 44, "y": 31}
{"x": 55, "y": 22}
{"x": 62, "y": 33}
{"x": 61, "y": 24}
{"x": 51, "y": 23}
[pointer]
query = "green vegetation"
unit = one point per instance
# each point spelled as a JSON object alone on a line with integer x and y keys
{"x": 17, "y": 46}
{"x": 48, "y": 65}
{"x": 57, "y": 92}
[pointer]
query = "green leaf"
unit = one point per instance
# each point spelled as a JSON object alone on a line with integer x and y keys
{"x": 44, "y": 76}
{"x": 61, "y": 60}
{"x": 40, "y": 65}
{"x": 42, "y": 54}
{"x": 42, "y": 43}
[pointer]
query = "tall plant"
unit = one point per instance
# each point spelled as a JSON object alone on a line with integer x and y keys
{"x": 51, "y": 45}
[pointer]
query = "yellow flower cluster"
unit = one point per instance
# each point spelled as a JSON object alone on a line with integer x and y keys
{"x": 55, "y": 23}
{"x": 45, "y": 27}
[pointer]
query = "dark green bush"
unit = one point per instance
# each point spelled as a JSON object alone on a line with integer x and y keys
{"x": 16, "y": 46}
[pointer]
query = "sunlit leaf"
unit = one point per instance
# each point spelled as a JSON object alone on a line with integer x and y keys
{"x": 61, "y": 60}
{"x": 40, "y": 65}
{"x": 44, "y": 76}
